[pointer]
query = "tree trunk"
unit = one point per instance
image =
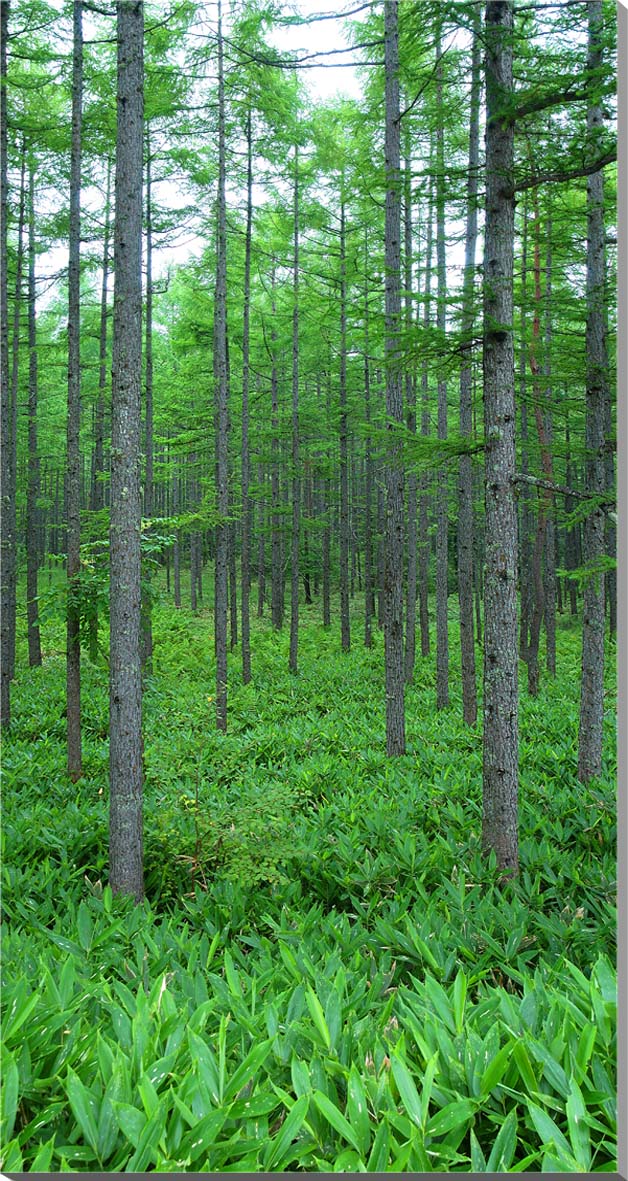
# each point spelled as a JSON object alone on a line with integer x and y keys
{"x": 32, "y": 488}
{"x": 410, "y": 398}
{"x": 501, "y": 705}
{"x": 424, "y": 539}
{"x": 7, "y": 542}
{"x": 465, "y": 471}
{"x": 221, "y": 408}
{"x": 261, "y": 546}
{"x": 442, "y": 513}
{"x": 369, "y": 598}
{"x": 73, "y": 490}
{"x": 245, "y": 560}
{"x": 275, "y": 489}
{"x": 345, "y": 629}
{"x": 393, "y": 554}
{"x": 296, "y": 478}
{"x": 592, "y": 691}
{"x": 147, "y": 615}
{"x": 9, "y": 509}
{"x": 98, "y": 468}
{"x": 549, "y": 586}
{"x": 525, "y": 556}
{"x": 125, "y": 690}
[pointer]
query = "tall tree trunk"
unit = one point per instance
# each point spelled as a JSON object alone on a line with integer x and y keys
{"x": 410, "y": 398}
{"x": 549, "y": 586}
{"x": 221, "y": 407}
{"x": 125, "y": 686}
{"x": 424, "y": 539}
{"x": 32, "y": 488}
{"x": 325, "y": 508}
{"x": 393, "y": 559}
{"x": 275, "y": 490}
{"x": 442, "y": 497}
{"x": 245, "y": 559}
{"x": 501, "y": 703}
{"x": 369, "y": 599}
{"x": 465, "y": 471}
{"x": 176, "y": 555}
{"x": 73, "y": 490}
{"x": 592, "y": 691}
{"x": 147, "y": 614}
{"x": 296, "y": 478}
{"x": 525, "y": 555}
{"x": 98, "y": 469}
{"x": 9, "y": 509}
{"x": 345, "y": 628}
{"x": 261, "y": 545}
{"x": 7, "y": 541}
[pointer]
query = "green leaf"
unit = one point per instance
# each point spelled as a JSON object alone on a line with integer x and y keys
{"x": 496, "y": 1069}
{"x": 131, "y": 1121}
{"x": 317, "y": 1015}
{"x": 84, "y": 1108}
{"x": 357, "y": 1111}
{"x": 453, "y": 1115}
{"x": 528, "y": 1077}
{"x": 503, "y": 1149}
{"x": 459, "y": 998}
{"x": 10, "y": 1092}
{"x": 84, "y": 926}
{"x": 43, "y": 1157}
{"x": 380, "y": 1151}
{"x": 407, "y": 1089}
{"x": 203, "y": 1134}
{"x": 478, "y": 1160}
{"x": 249, "y": 1067}
{"x": 606, "y": 979}
{"x": 426, "y": 1090}
{"x": 148, "y": 1144}
{"x": 276, "y": 1151}
{"x": 21, "y": 1008}
{"x": 547, "y": 1129}
{"x": 335, "y": 1117}
{"x": 578, "y": 1129}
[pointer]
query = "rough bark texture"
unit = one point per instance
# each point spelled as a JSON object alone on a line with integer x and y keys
{"x": 549, "y": 584}
{"x": 369, "y": 598}
{"x": 410, "y": 399}
{"x": 221, "y": 409}
{"x": 73, "y": 473}
{"x": 296, "y": 477}
{"x": 592, "y": 692}
{"x": 393, "y": 556}
{"x": 245, "y": 559}
{"x": 465, "y": 471}
{"x": 9, "y": 603}
{"x": 501, "y": 706}
{"x": 98, "y": 467}
{"x": 125, "y": 689}
{"x": 275, "y": 490}
{"x": 33, "y": 482}
{"x": 7, "y": 542}
{"x": 424, "y": 498}
{"x": 345, "y": 630}
{"x": 147, "y": 615}
{"x": 442, "y": 495}
{"x": 526, "y": 510}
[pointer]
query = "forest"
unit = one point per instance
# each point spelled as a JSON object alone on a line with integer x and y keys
{"x": 308, "y": 586}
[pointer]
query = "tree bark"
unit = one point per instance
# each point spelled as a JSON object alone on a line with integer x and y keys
{"x": 245, "y": 560}
{"x": 592, "y": 690}
{"x": 410, "y": 399}
{"x": 275, "y": 490}
{"x": 296, "y": 477}
{"x": 465, "y": 471}
{"x": 73, "y": 488}
{"x": 98, "y": 468}
{"x": 424, "y": 498}
{"x": 549, "y": 586}
{"x": 369, "y": 599}
{"x": 125, "y": 689}
{"x": 442, "y": 496}
{"x": 221, "y": 408}
{"x": 501, "y": 705}
{"x": 393, "y": 554}
{"x": 32, "y": 488}
{"x": 147, "y": 614}
{"x": 7, "y": 542}
{"x": 345, "y": 628}
{"x": 9, "y": 509}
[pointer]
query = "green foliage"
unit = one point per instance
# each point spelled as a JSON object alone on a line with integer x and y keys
{"x": 326, "y": 976}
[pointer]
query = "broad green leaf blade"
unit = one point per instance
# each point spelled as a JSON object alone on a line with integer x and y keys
{"x": 84, "y": 1109}
{"x": 10, "y": 1092}
{"x": 578, "y": 1128}
{"x": 357, "y": 1111}
{"x": 289, "y": 1130}
{"x": 453, "y": 1115}
{"x": 407, "y": 1089}
{"x": 503, "y": 1149}
{"x": 460, "y": 996}
{"x": 335, "y": 1117}
{"x": 317, "y": 1015}
{"x": 547, "y": 1129}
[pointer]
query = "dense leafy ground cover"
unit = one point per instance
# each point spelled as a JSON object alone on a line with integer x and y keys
{"x": 325, "y": 974}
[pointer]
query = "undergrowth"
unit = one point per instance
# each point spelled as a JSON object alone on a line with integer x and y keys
{"x": 326, "y": 975}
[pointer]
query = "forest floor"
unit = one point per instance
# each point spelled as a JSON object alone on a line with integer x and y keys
{"x": 326, "y": 975}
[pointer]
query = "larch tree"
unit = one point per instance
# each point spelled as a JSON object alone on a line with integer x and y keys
{"x": 125, "y": 684}
{"x": 7, "y": 542}
{"x": 73, "y": 474}
{"x": 592, "y": 691}
{"x": 394, "y": 526}
{"x": 501, "y": 701}
{"x": 221, "y": 407}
